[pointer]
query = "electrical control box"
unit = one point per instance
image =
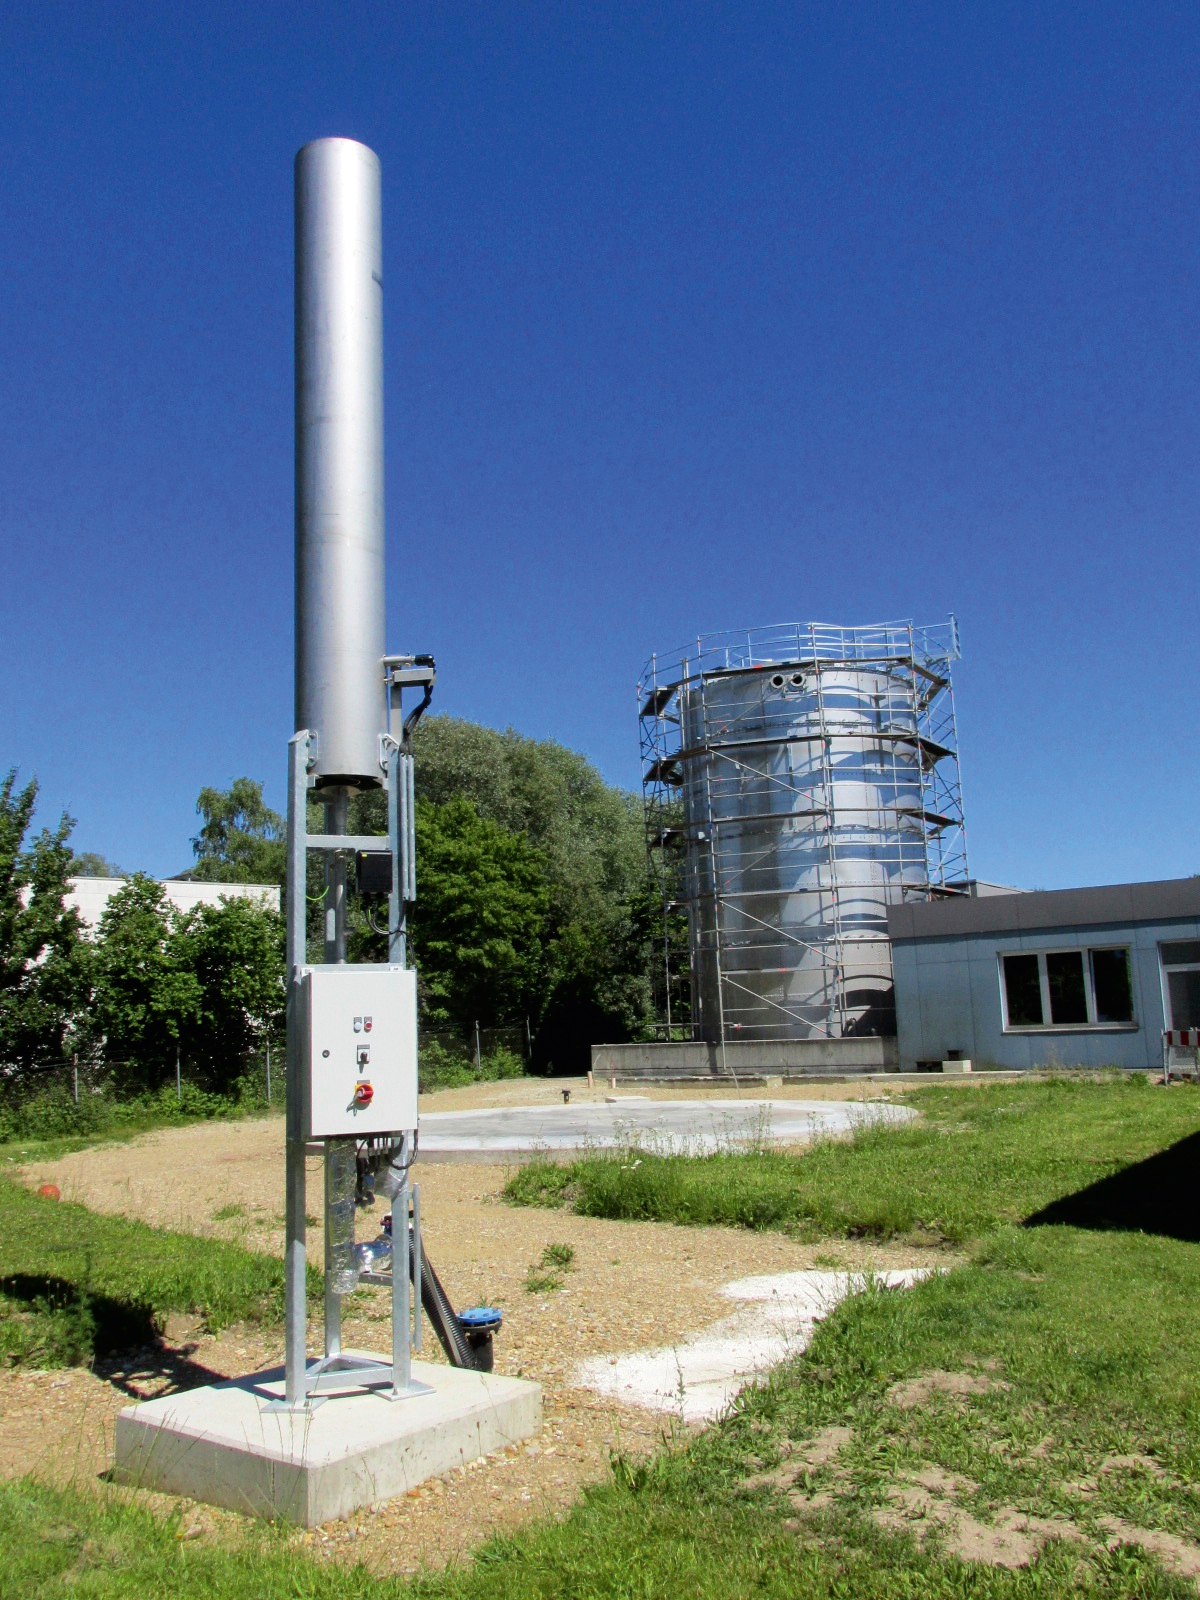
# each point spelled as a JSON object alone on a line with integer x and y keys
{"x": 358, "y": 1032}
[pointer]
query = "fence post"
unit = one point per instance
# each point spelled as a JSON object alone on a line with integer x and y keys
{"x": 75, "y": 1069}
{"x": 268, "y": 1071}
{"x": 178, "y": 1079}
{"x": 478, "y": 1060}
{"x": 528, "y": 1041}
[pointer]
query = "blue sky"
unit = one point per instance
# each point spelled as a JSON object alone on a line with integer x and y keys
{"x": 697, "y": 316}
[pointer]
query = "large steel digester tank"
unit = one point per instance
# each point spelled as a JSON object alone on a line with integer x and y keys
{"x": 804, "y": 817}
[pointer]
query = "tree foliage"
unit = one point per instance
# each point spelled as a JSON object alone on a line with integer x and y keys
{"x": 144, "y": 997}
{"x": 206, "y": 985}
{"x": 479, "y": 922}
{"x": 532, "y": 904}
{"x": 589, "y": 833}
{"x": 593, "y": 948}
{"x": 89, "y": 864}
{"x": 242, "y": 840}
{"x": 235, "y": 953}
{"x": 42, "y": 970}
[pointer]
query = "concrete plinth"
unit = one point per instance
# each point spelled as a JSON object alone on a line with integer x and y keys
{"x": 695, "y": 1061}
{"x": 224, "y": 1444}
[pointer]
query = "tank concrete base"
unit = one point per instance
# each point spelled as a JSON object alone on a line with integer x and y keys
{"x": 751, "y": 1061}
{"x": 224, "y": 1444}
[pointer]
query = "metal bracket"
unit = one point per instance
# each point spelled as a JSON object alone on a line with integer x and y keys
{"x": 348, "y": 843}
{"x": 408, "y": 672}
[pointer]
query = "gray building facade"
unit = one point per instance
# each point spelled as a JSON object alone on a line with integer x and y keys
{"x": 1063, "y": 977}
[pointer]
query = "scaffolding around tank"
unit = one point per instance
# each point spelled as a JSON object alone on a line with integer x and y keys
{"x": 797, "y": 781}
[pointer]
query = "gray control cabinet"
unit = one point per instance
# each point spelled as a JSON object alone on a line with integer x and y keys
{"x": 358, "y": 1025}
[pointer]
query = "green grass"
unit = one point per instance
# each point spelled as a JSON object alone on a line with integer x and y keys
{"x": 74, "y": 1284}
{"x": 980, "y": 1158}
{"x": 56, "y": 1542}
{"x": 1090, "y": 1342}
{"x": 1080, "y": 1350}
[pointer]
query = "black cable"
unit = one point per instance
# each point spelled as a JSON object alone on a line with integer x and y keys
{"x": 415, "y": 715}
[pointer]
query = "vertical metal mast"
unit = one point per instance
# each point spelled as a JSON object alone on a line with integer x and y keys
{"x": 340, "y": 639}
{"x": 340, "y": 563}
{"x": 343, "y": 686}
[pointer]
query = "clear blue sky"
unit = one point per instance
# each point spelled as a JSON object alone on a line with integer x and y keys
{"x": 697, "y": 316}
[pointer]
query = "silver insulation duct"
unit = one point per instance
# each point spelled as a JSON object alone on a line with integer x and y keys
{"x": 339, "y": 459}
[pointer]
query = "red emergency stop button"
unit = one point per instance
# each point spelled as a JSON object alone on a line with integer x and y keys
{"x": 363, "y": 1094}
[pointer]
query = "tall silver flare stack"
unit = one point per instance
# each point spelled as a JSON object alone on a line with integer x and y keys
{"x": 339, "y": 459}
{"x": 271, "y": 1443}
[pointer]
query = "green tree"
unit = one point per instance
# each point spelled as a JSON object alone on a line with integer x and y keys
{"x": 478, "y": 922}
{"x": 88, "y": 864}
{"x": 598, "y": 984}
{"x": 590, "y": 833}
{"x": 43, "y": 977}
{"x": 235, "y": 953}
{"x": 242, "y": 840}
{"x": 598, "y": 933}
{"x": 146, "y": 997}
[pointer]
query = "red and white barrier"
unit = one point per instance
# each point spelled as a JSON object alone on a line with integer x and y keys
{"x": 1180, "y": 1039}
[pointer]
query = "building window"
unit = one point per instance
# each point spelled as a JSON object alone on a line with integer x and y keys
{"x": 1070, "y": 988}
{"x": 1181, "y": 983}
{"x": 1023, "y": 987}
{"x": 1111, "y": 988}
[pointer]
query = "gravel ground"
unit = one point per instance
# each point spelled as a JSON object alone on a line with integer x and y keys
{"x": 632, "y": 1286}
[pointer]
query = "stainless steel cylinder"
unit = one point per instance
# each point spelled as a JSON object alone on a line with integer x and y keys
{"x": 339, "y": 459}
{"x": 803, "y": 797}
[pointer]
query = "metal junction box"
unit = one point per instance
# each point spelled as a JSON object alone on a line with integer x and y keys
{"x": 358, "y": 1053}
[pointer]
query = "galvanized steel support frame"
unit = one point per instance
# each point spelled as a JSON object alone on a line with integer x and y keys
{"x": 307, "y": 1383}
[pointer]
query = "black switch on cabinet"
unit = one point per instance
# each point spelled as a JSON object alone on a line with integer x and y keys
{"x": 373, "y": 872}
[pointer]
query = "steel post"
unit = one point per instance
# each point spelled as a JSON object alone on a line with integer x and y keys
{"x": 295, "y": 1284}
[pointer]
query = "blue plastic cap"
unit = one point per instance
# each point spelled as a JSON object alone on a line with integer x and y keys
{"x": 481, "y": 1317}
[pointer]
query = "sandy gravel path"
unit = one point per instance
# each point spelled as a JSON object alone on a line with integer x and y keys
{"x": 633, "y": 1285}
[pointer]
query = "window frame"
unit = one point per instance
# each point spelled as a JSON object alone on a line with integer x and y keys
{"x": 1164, "y": 970}
{"x": 1084, "y": 952}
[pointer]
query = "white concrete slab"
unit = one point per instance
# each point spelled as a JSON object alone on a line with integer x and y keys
{"x": 698, "y": 1378}
{"x": 693, "y": 1127}
{"x": 224, "y": 1445}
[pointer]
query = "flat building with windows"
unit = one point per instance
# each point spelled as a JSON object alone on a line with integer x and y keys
{"x": 1060, "y": 977}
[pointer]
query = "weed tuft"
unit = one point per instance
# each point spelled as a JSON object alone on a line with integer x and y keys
{"x": 546, "y": 1275}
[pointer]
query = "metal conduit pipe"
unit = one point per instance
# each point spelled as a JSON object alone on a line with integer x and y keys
{"x": 441, "y": 1313}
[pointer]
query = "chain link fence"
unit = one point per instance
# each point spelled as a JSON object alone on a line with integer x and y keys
{"x": 480, "y": 1044}
{"x": 88, "y": 1093}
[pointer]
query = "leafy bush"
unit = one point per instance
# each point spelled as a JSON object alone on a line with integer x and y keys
{"x": 53, "y": 1113}
{"x": 502, "y": 1063}
{"x": 440, "y": 1067}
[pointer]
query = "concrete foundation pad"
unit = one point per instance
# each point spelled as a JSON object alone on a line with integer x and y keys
{"x": 225, "y": 1445}
{"x": 690, "y": 1127}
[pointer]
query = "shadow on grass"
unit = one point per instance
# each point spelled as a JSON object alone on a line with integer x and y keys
{"x": 1157, "y": 1195}
{"x": 119, "y": 1339}
{"x": 103, "y": 1323}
